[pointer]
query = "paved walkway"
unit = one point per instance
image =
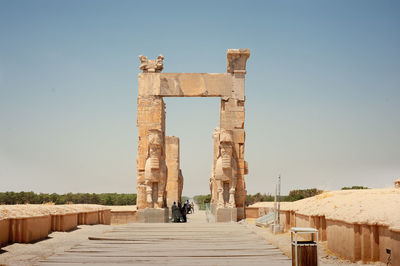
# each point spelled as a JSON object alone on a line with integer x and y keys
{"x": 194, "y": 243}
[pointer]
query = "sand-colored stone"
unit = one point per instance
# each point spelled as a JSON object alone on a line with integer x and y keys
{"x": 64, "y": 222}
{"x": 357, "y": 224}
{"x": 123, "y": 217}
{"x": 397, "y": 183}
{"x": 227, "y": 192}
{"x": 33, "y": 210}
{"x": 174, "y": 178}
{"x": 151, "y": 66}
{"x": 29, "y": 229}
{"x": 155, "y": 173}
{"x": 224, "y": 173}
{"x": 26, "y": 223}
{"x": 364, "y": 206}
{"x": 185, "y": 85}
{"x": 4, "y": 231}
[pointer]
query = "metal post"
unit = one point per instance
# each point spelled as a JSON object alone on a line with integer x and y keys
{"x": 295, "y": 248}
{"x": 279, "y": 202}
{"x": 275, "y": 209}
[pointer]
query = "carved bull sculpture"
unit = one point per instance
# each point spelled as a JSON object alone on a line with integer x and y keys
{"x": 155, "y": 171}
{"x": 225, "y": 171}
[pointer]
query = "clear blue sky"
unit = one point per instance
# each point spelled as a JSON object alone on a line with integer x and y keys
{"x": 322, "y": 90}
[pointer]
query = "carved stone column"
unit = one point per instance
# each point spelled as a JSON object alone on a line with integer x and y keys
{"x": 150, "y": 118}
{"x": 175, "y": 178}
{"x": 232, "y": 116}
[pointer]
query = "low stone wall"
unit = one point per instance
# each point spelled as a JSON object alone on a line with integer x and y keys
{"x": 354, "y": 242}
{"x": 105, "y": 217}
{"x": 64, "y": 222}
{"x": 252, "y": 212}
{"x": 31, "y": 229}
{"x": 4, "y": 231}
{"x": 395, "y": 245}
{"x": 123, "y": 217}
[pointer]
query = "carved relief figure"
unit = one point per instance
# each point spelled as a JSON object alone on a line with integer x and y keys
{"x": 151, "y": 66}
{"x": 225, "y": 173}
{"x": 155, "y": 171}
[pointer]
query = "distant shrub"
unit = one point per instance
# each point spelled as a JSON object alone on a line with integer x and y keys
{"x": 251, "y": 199}
{"x": 302, "y": 194}
{"x": 202, "y": 200}
{"x": 354, "y": 187}
{"x": 184, "y": 198}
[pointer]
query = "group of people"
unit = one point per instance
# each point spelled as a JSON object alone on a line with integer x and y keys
{"x": 179, "y": 212}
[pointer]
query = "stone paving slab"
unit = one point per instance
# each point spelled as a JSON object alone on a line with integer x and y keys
{"x": 173, "y": 244}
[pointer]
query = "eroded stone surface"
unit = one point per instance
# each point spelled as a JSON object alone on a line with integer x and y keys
{"x": 224, "y": 176}
{"x": 175, "y": 178}
{"x": 151, "y": 66}
{"x": 227, "y": 183}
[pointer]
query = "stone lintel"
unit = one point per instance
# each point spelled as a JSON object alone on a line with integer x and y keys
{"x": 185, "y": 84}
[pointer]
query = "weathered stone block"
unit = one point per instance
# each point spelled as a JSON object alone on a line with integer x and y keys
{"x": 149, "y": 84}
{"x": 123, "y": 217}
{"x": 195, "y": 85}
{"x": 149, "y": 215}
{"x": 239, "y": 135}
{"x": 225, "y": 215}
{"x": 174, "y": 180}
{"x": 236, "y": 60}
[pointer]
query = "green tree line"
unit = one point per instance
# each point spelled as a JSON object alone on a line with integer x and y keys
{"x": 76, "y": 198}
{"x": 294, "y": 195}
{"x": 202, "y": 200}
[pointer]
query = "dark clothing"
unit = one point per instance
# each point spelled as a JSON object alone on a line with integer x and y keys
{"x": 175, "y": 213}
{"x": 184, "y": 212}
{"x": 180, "y": 212}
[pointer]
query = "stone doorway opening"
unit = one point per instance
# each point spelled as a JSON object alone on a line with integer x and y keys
{"x": 193, "y": 120}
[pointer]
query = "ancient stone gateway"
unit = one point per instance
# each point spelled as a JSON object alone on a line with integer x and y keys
{"x": 159, "y": 179}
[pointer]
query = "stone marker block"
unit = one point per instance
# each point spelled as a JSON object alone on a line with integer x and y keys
{"x": 152, "y": 215}
{"x": 226, "y": 215}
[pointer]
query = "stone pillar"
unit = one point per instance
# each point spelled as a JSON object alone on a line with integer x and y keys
{"x": 232, "y": 115}
{"x": 151, "y": 127}
{"x": 150, "y": 116}
{"x": 175, "y": 178}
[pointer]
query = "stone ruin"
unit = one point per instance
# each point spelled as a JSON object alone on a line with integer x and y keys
{"x": 159, "y": 178}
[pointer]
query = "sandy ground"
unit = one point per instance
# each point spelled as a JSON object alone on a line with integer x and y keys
{"x": 124, "y": 208}
{"x": 282, "y": 241}
{"x": 32, "y": 210}
{"x": 29, "y": 254}
{"x": 364, "y": 206}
